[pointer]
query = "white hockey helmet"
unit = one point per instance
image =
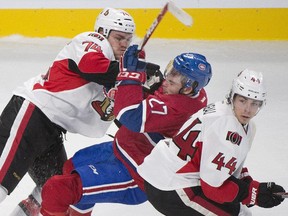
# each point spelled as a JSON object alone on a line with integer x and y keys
{"x": 249, "y": 84}
{"x": 114, "y": 19}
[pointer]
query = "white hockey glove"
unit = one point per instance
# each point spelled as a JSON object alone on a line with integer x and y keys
{"x": 154, "y": 78}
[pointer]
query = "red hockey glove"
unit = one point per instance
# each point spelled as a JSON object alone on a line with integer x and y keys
{"x": 132, "y": 70}
{"x": 245, "y": 176}
{"x": 262, "y": 194}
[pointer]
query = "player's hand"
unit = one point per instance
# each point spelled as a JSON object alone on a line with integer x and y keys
{"x": 130, "y": 60}
{"x": 245, "y": 176}
{"x": 131, "y": 68}
{"x": 154, "y": 78}
{"x": 262, "y": 194}
{"x": 266, "y": 197}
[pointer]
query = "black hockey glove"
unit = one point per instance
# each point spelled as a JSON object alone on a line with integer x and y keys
{"x": 263, "y": 194}
{"x": 152, "y": 69}
{"x": 266, "y": 197}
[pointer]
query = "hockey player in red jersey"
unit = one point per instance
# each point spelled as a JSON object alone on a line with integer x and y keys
{"x": 108, "y": 174}
{"x": 68, "y": 98}
{"x": 200, "y": 170}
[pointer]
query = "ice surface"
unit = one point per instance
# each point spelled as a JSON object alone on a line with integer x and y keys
{"x": 22, "y": 58}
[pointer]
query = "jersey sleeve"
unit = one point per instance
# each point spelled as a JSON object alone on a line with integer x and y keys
{"x": 90, "y": 55}
{"x": 155, "y": 113}
{"x": 137, "y": 117}
{"x": 130, "y": 106}
{"x": 232, "y": 190}
{"x": 128, "y": 97}
{"x": 97, "y": 68}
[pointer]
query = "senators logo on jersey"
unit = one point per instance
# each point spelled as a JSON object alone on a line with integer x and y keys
{"x": 104, "y": 109}
{"x": 233, "y": 137}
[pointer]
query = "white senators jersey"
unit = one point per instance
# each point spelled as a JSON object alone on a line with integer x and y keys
{"x": 70, "y": 94}
{"x": 211, "y": 146}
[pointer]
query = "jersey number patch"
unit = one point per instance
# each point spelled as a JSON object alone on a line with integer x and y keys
{"x": 185, "y": 141}
{"x": 157, "y": 107}
{"x": 219, "y": 160}
{"x": 91, "y": 45}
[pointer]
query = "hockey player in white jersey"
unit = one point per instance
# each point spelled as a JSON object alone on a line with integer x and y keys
{"x": 200, "y": 170}
{"x": 68, "y": 98}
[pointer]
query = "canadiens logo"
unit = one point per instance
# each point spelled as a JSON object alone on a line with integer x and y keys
{"x": 234, "y": 137}
{"x": 104, "y": 109}
{"x": 202, "y": 67}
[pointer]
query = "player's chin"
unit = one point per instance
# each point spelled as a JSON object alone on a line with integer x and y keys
{"x": 244, "y": 120}
{"x": 117, "y": 56}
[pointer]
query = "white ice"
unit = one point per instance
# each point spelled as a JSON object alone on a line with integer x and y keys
{"x": 22, "y": 58}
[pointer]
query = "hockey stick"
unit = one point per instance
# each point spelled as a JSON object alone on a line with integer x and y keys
{"x": 180, "y": 14}
{"x": 282, "y": 194}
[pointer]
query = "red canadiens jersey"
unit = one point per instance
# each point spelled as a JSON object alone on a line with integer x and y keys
{"x": 67, "y": 95}
{"x": 147, "y": 121}
{"x": 210, "y": 147}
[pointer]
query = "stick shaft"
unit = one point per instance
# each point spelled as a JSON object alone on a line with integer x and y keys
{"x": 154, "y": 25}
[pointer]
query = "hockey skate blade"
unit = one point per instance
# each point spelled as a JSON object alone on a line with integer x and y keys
{"x": 180, "y": 14}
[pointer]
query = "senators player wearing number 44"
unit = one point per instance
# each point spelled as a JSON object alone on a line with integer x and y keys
{"x": 206, "y": 159}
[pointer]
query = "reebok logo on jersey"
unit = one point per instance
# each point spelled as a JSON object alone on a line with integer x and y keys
{"x": 210, "y": 108}
{"x": 93, "y": 168}
{"x": 234, "y": 137}
{"x": 253, "y": 196}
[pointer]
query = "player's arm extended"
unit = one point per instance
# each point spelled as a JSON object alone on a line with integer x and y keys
{"x": 95, "y": 67}
{"x": 232, "y": 190}
{"x": 249, "y": 192}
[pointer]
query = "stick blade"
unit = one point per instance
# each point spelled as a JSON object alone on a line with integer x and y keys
{"x": 180, "y": 14}
{"x": 282, "y": 194}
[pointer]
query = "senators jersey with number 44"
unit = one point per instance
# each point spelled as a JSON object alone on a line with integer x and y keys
{"x": 148, "y": 120}
{"x": 209, "y": 148}
{"x": 71, "y": 93}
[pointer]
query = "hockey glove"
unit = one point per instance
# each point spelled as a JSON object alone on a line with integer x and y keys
{"x": 245, "y": 176}
{"x": 262, "y": 194}
{"x": 132, "y": 70}
{"x": 266, "y": 196}
{"x": 154, "y": 78}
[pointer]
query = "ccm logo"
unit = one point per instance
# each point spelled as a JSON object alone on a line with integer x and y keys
{"x": 131, "y": 75}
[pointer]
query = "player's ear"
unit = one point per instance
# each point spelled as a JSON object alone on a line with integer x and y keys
{"x": 187, "y": 90}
